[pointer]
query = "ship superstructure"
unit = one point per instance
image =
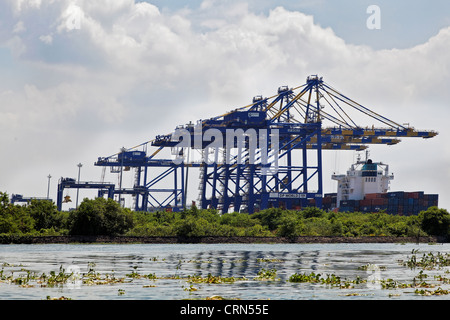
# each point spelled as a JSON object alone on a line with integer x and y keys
{"x": 363, "y": 177}
{"x": 366, "y": 188}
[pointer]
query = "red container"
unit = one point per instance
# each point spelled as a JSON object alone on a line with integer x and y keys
{"x": 379, "y": 201}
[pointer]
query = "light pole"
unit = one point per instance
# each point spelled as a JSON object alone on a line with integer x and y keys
{"x": 48, "y": 186}
{"x": 78, "y": 189}
{"x": 121, "y": 173}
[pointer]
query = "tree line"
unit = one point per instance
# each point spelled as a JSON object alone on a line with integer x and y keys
{"x": 102, "y": 216}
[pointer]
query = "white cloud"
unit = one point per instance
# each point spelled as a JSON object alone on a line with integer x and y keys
{"x": 127, "y": 71}
{"x": 47, "y": 39}
{"x": 22, "y": 5}
{"x": 19, "y": 27}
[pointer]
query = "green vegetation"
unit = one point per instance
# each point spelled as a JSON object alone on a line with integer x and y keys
{"x": 266, "y": 274}
{"x": 331, "y": 279}
{"x": 105, "y": 217}
{"x": 428, "y": 261}
{"x": 100, "y": 217}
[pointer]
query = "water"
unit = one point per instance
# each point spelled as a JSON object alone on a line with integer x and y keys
{"x": 173, "y": 263}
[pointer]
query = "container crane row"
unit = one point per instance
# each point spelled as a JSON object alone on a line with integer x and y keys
{"x": 292, "y": 128}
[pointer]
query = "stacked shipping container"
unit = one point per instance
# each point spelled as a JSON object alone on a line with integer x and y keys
{"x": 400, "y": 202}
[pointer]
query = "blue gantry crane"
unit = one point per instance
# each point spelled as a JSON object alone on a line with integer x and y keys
{"x": 150, "y": 191}
{"x": 265, "y": 154}
{"x": 20, "y": 198}
{"x": 71, "y": 183}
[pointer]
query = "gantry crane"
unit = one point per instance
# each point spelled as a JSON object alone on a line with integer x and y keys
{"x": 274, "y": 155}
{"x": 70, "y": 183}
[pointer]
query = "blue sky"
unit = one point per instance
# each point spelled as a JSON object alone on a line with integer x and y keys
{"x": 403, "y": 23}
{"x": 132, "y": 70}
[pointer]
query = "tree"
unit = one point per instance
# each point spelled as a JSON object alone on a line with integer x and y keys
{"x": 14, "y": 218}
{"x": 312, "y": 212}
{"x": 192, "y": 227}
{"x": 269, "y": 217}
{"x": 4, "y": 201}
{"x": 45, "y": 214}
{"x": 100, "y": 217}
{"x": 289, "y": 226}
{"x": 435, "y": 221}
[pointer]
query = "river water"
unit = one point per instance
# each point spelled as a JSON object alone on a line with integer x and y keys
{"x": 171, "y": 264}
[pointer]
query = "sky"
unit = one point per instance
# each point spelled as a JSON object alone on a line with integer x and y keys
{"x": 81, "y": 79}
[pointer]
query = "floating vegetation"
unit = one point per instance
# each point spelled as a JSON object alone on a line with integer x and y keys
{"x": 210, "y": 279}
{"x": 199, "y": 261}
{"x": 262, "y": 260}
{"x": 190, "y": 288}
{"x": 428, "y": 261}
{"x": 266, "y": 274}
{"x": 30, "y": 279}
{"x": 55, "y": 279}
{"x": 133, "y": 274}
{"x": 303, "y": 277}
{"x": 157, "y": 259}
{"x": 439, "y": 291}
{"x": 60, "y": 298}
{"x": 356, "y": 294}
{"x": 442, "y": 279}
{"x": 428, "y": 276}
{"x": 372, "y": 267}
{"x": 330, "y": 279}
{"x": 215, "y": 298}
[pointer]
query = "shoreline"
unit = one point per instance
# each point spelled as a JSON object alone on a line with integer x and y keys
{"x": 17, "y": 239}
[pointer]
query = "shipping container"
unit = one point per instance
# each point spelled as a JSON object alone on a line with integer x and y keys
{"x": 348, "y": 203}
{"x": 374, "y": 195}
{"x": 393, "y": 201}
{"x": 396, "y": 194}
{"x": 245, "y": 118}
{"x": 396, "y": 203}
{"x": 379, "y": 201}
{"x": 365, "y": 202}
{"x": 330, "y": 195}
{"x": 131, "y": 156}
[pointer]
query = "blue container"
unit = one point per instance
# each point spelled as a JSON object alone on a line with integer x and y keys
{"x": 396, "y": 194}
{"x": 393, "y": 201}
{"x": 131, "y": 155}
{"x": 348, "y": 203}
{"x": 245, "y": 118}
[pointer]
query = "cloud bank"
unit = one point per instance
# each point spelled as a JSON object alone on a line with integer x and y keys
{"x": 83, "y": 78}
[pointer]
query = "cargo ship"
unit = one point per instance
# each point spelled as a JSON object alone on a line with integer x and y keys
{"x": 366, "y": 188}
